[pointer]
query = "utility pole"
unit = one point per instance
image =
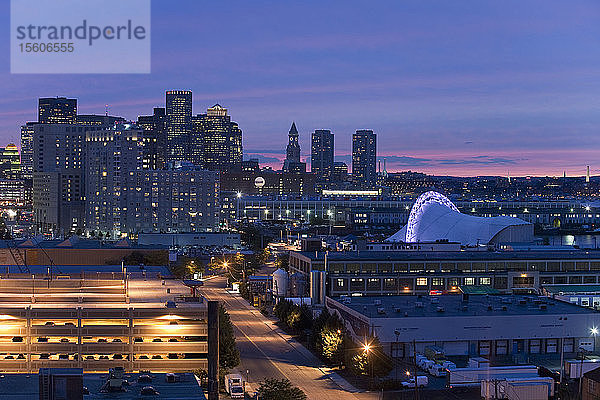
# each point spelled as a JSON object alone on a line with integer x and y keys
{"x": 415, "y": 368}
{"x": 213, "y": 350}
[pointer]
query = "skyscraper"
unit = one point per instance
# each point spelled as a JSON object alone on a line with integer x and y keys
{"x": 155, "y": 139}
{"x": 178, "y": 125}
{"x": 10, "y": 162}
{"x": 27, "y": 149}
{"x": 57, "y": 110}
{"x": 292, "y": 161}
{"x": 364, "y": 155}
{"x": 216, "y": 141}
{"x": 58, "y": 181}
{"x": 321, "y": 154}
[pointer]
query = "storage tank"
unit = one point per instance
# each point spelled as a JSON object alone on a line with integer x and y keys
{"x": 280, "y": 282}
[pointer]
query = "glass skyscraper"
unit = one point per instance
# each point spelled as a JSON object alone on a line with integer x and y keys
{"x": 321, "y": 154}
{"x": 178, "y": 125}
{"x": 364, "y": 155}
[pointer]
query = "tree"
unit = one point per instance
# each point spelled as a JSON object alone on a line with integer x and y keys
{"x": 283, "y": 261}
{"x": 275, "y": 389}
{"x": 229, "y": 356}
{"x": 368, "y": 358}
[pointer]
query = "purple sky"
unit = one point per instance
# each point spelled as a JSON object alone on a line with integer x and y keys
{"x": 450, "y": 87}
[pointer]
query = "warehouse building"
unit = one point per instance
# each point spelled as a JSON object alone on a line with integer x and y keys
{"x": 469, "y": 325}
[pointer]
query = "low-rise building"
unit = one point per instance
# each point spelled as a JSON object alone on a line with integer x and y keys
{"x": 373, "y": 273}
{"x": 469, "y": 325}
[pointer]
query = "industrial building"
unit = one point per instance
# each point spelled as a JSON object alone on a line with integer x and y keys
{"x": 360, "y": 273}
{"x": 469, "y": 325}
{"x": 98, "y": 321}
{"x": 75, "y": 251}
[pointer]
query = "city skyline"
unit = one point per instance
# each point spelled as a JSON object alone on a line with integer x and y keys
{"x": 495, "y": 88}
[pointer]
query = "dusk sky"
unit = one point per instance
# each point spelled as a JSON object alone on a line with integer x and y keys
{"x": 450, "y": 87}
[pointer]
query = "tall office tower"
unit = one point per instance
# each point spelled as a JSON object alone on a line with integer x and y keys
{"x": 154, "y": 138}
{"x": 102, "y": 121}
{"x": 123, "y": 198}
{"x": 57, "y": 110}
{"x": 27, "y": 149}
{"x": 10, "y": 162}
{"x": 58, "y": 181}
{"x": 178, "y": 125}
{"x": 364, "y": 155}
{"x": 321, "y": 154}
{"x": 216, "y": 142}
{"x": 113, "y": 158}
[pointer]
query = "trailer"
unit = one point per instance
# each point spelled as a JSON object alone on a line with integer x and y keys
{"x": 474, "y": 376}
{"x": 575, "y": 368}
{"x": 538, "y": 388}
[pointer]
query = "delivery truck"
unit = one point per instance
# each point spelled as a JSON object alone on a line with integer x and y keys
{"x": 234, "y": 386}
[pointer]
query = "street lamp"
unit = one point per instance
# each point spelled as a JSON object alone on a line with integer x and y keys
{"x": 367, "y": 350}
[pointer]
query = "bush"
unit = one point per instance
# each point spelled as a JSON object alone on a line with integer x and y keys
{"x": 275, "y": 389}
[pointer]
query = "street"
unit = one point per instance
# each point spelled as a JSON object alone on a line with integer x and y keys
{"x": 267, "y": 352}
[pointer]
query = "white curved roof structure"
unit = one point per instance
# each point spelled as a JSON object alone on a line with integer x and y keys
{"x": 434, "y": 217}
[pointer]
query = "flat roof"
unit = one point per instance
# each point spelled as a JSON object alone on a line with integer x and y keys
{"x": 573, "y": 289}
{"x": 425, "y": 256}
{"x": 26, "y": 387}
{"x": 453, "y": 306}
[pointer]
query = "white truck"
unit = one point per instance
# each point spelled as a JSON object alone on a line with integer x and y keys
{"x": 234, "y": 386}
{"x": 422, "y": 381}
{"x": 473, "y": 376}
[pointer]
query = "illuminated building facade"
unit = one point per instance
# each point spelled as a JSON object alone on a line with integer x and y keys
{"x": 123, "y": 198}
{"x": 27, "y": 149}
{"x": 364, "y": 155}
{"x": 10, "y": 162}
{"x": 216, "y": 142}
{"x": 321, "y": 158}
{"x": 58, "y": 181}
{"x": 57, "y": 110}
{"x": 155, "y": 138}
{"x": 178, "y": 125}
